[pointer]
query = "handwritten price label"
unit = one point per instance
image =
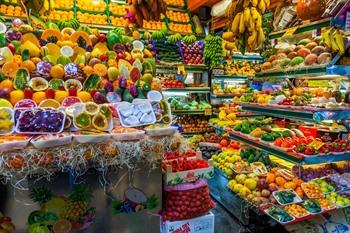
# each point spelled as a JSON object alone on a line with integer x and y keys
{"x": 290, "y": 31}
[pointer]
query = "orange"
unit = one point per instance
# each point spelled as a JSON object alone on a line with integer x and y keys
{"x": 35, "y": 60}
{"x": 29, "y": 65}
{"x": 100, "y": 70}
{"x": 60, "y": 95}
{"x": 16, "y": 96}
{"x": 57, "y": 72}
{"x": 88, "y": 70}
{"x": 84, "y": 96}
{"x": 38, "y": 97}
{"x": 17, "y": 59}
{"x": 7, "y": 83}
{"x": 10, "y": 68}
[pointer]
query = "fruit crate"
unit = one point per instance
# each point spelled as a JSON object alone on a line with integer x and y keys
{"x": 169, "y": 6}
{"x": 119, "y": 5}
{"x": 172, "y": 178}
{"x": 77, "y": 7}
{"x": 176, "y": 11}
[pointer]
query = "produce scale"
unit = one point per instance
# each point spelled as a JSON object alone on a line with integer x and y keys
{"x": 180, "y": 116}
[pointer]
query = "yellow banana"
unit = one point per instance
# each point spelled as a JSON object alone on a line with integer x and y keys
{"x": 251, "y": 24}
{"x": 247, "y": 17}
{"x": 46, "y": 5}
{"x": 339, "y": 41}
{"x": 252, "y": 38}
{"x": 241, "y": 24}
{"x": 256, "y": 17}
{"x": 254, "y": 3}
{"x": 261, "y": 37}
{"x": 267, "y": 3}
{"x": 326, "y": 38}
{"x": 262, "y": 6}
{"x": 235, "y": 24}
{"x": 52, "y": 4}
{"x": 245, "y": 3}
{"x": 334, "y": 44}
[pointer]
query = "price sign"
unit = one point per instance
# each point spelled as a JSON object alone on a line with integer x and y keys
{"x": 316, "y": 144}
{"x": 290, "y": 31}
{"x": 318, "y": 83}
{"x": 208, "y": 112}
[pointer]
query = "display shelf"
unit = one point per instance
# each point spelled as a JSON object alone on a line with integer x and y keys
{"x": 231, "y": 77}
{"x": 225, "y": 96}
{"x": 188, "y": 90}
{"x": 299, "y": 112}
{"x": 303, "y": 28}
{"x": 318, "y": 70}
{"x": 289, "y": 156}
{"x": 247, "y": 57}
{"x": 187, "y": 67}
{"x": 244, "y": 212}
{"x": 188, "y": 112}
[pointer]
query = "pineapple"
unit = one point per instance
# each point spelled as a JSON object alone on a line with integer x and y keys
{"x": 41, "y": 195}
{"x": 78, "y": 202}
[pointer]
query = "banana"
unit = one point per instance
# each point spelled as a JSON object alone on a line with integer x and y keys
{"x": 262, "y": 6}
{"x": 326, "y": 38}
{"x": 246, "y": 13}
{"x": 52, "y": 5}
{"x": 235, "y": 24}
{"x": 339, "y": 41}
{"x": 252, "y": 37}
{"x": 254, "y": 3}
{"x": 267, "y": 3}
{"x": 261, "y": 37}
{"x": 334, "y": 44}
{"x": 46, "y": 5}
{"x": 245, "y": 3}
{"x": 241, "y": 23}
{"x": 256, "y": 17}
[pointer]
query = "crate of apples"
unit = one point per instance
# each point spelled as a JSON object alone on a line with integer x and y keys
{"x": 172, "y": 83}
{"x": 192, "y": 54}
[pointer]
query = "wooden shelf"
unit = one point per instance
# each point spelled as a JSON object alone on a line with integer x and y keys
{"x": 195, "y": 4}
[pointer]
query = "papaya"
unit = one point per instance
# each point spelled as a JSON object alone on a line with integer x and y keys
{"x": 30, "y": 37}
{"x": 81, "y": 38}
{"x": 52, "y": 36}
{"x": 34, "y": 50}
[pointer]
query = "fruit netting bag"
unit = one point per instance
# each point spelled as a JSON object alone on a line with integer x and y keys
{"x": 188, "y": 200}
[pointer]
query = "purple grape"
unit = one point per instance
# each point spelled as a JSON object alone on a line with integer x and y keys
{"x": 133, "y": 91}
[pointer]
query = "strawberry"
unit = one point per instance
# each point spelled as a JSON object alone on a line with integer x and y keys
{"x": 50, "y": 93}
{"x": 28, "y": 93}
{"x": 72, "y": 92}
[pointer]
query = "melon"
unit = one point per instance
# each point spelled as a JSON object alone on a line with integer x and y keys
{"x": 296, "y": 61}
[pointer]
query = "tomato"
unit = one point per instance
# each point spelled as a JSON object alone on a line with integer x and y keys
{"x": 310, "y": 139}
{"x": 278, "y": 141}
{"x": 286, "y": 144}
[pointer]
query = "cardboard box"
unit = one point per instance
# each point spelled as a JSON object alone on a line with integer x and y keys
{"x": 202, "y": 224}
{"x": 172, "y": 178}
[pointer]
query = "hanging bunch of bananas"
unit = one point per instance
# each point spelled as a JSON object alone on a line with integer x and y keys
{"x": 38, "y": 7}
{"x": 333, "y": 38}
{"x": 246, "y": 21}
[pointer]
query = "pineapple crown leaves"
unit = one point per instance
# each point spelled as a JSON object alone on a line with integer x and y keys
{"x": 41, "y": 195}
{"x": 81, "y": 192}
{"x": 152, "y": 202}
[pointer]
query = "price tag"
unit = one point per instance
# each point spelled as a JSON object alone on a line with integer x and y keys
{"x": 318, "y": 83}
{"x": 208, "y": 112}
{"x": 316, "y": 144}
{"x": 181, "y": 69}
{"x": 290, "y": 31}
